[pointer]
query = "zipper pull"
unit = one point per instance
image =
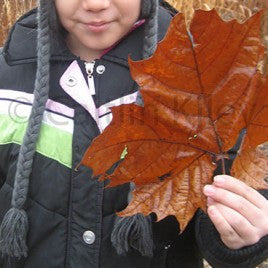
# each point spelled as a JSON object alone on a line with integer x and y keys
{"x": 89, "y": 69}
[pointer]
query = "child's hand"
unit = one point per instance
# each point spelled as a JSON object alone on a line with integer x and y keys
{"x": 239, "y": 213}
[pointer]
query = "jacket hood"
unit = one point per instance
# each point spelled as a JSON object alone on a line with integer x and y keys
{"x": 20, "y": 46}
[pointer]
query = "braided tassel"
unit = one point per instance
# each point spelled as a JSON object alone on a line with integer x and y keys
{"x": 134, "y": 232}
{"x": 14, "y": 227}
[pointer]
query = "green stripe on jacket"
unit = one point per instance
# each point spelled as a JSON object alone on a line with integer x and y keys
{"x": 53, "y": 143}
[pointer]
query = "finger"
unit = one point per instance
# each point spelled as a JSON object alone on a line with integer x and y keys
{"x": 244, "y": 229}
{"x": 228, "y": 235}
{"x": 210, "y": 201}
{"x": 234, "y": 185}
{"x": 252, "y": 213}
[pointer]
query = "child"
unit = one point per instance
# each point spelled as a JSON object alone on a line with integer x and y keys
{"x": 54, "y": 215}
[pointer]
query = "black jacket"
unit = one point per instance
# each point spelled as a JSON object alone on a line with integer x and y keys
{"x": 64, "y": 202}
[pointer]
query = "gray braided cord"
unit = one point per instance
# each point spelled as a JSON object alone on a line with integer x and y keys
{"x": 14, "y": 228}
{"x": 135, "y": 232}
{"x": 150, "y": 35}
{"x": 151, "y": 31}
{"x": 145, "y": 9}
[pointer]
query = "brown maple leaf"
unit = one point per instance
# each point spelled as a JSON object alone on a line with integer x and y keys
{"x": 228, "y": 10}
{"x": 199, "y": 90}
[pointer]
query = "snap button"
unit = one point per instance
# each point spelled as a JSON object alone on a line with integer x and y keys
{"x": 167, "y": 247}
{"x": 100, "y": 69}
{"x": 89, "y": 237}
{"x": 71, "y": 81}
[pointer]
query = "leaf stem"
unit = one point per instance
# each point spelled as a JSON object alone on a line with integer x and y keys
{"x": 223, "y": 166}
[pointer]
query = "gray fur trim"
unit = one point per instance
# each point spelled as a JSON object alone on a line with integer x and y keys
{"x": 15, "y": 222}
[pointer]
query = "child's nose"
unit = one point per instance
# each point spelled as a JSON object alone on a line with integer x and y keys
{"x": 95, "y": 5}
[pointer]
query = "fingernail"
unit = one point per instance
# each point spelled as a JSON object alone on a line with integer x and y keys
{"x": 219, "y": 179}
{"x": 209, "y": 190}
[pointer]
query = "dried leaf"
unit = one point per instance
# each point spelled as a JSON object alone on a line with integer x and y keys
{"x": 241, "y": 10}
{"x": 251, "y": 162}
{"x": 250, "y": 166}
{"x": 180, "y": 196}
{"x": 265, "y": 39}
{"x": 200, "y": 90}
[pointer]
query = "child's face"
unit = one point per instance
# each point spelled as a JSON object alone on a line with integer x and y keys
{"x": 95, "y": 25}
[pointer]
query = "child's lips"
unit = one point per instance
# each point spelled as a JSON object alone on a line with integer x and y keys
{"x": 98, "y": 26}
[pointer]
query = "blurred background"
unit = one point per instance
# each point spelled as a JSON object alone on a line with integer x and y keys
{"x": 10, "y": 10}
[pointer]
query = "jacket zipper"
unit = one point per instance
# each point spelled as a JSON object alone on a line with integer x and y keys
{"x": 89, "y": 70}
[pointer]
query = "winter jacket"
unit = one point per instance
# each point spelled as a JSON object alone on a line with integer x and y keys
{"x": 71, "y": 215}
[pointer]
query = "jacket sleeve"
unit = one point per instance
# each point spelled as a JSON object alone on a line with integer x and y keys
{"x": 218, "y": 255}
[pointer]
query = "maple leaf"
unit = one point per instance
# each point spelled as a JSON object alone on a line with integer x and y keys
{"x": 200, "y": 90}
{"x": 228, "y": 10}
{"x": 251, "y": 163}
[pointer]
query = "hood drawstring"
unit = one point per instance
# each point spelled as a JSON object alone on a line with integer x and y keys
{"x": 135, "y": 232}
{"x": 149, "y": 11}
{"x": 14, "y": 227}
